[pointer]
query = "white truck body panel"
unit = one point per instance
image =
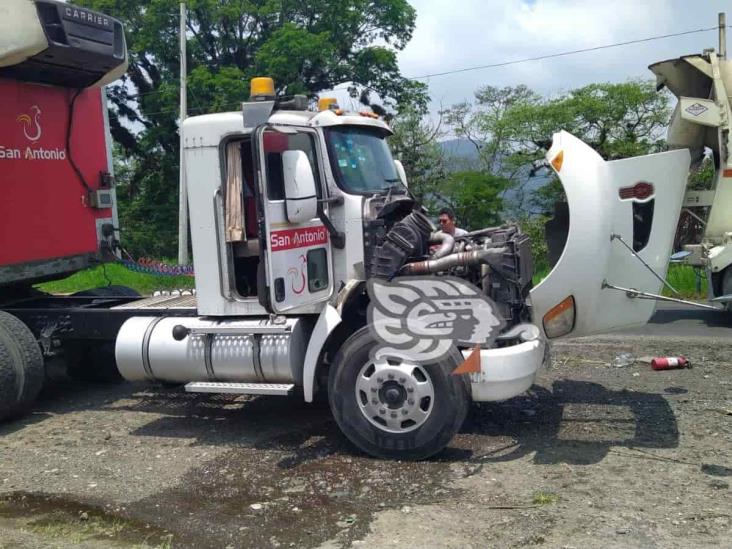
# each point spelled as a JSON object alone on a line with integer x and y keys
{"x": 596, "y": 212}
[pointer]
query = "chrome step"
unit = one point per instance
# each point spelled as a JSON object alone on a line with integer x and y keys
{"x": 280, "y": 389}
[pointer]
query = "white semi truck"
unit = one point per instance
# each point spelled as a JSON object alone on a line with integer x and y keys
{"x": 294, "y": 211}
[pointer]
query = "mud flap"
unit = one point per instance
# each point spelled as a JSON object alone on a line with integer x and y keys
{"x": 613, "y": 207}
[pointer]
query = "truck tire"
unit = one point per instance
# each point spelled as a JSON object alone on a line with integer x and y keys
{"x": 92, "y": 360}
{"x": 21, "y": 367}
{"x": 726, "y": 285}
{"x": 396, "y": 409}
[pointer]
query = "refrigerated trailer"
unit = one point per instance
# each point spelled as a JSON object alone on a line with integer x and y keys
{"x": 58, "y": 211}
{"x": 302, "y": 222}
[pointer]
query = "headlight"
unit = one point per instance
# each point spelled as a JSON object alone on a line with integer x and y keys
{"x": 559, "y": 320}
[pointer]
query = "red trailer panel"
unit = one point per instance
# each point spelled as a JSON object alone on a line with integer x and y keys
{"x": 45, "y": 213}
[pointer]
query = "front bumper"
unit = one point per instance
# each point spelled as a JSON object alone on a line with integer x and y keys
{"x": 506, "y": 372}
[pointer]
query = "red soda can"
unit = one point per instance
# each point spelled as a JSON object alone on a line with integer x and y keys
{"x": 670, "y": 363}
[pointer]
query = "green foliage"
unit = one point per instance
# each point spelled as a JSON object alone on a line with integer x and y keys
{"x": 702, "y": 179}
{"x": 306, "y": 46}
{"x": 534, "y": 228}
{"x": 116, "y": 274}
{"x": 617, "y": 120}
{"x": 415, "y": 144}
{"x": 690, "y": 282}
{"x": 475, "y": 197}
{"x": 487, "y": 125}
{"x": 545, "y": 498}
{"x": 511, "y": 129}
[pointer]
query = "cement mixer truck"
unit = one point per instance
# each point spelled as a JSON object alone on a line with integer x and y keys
{"x": 318, "y": 274}
{"x": 701, "y": 124}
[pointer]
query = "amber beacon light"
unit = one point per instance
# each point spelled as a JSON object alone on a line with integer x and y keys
{"x": 262, "y": 88}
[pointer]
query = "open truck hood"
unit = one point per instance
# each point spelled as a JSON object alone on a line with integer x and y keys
{"x": 638, "y": 199}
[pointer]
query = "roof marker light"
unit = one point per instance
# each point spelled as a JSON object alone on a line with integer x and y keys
{"x": 327, "y": 103}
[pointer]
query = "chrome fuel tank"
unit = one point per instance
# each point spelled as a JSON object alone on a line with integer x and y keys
{"x": 253, "y": 350}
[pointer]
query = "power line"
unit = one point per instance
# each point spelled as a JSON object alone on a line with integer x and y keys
{"x": 562, "y": 54}
{"x": 495, "y": 65}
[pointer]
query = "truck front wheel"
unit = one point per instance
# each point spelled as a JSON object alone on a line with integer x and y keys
{"x": 396, "y": 408}
{"x": 21, "y": 367}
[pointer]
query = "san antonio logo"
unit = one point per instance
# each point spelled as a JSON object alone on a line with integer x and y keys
{"x": 33, "y": 131}
{"x": 420, "y": 319}
{"x": 31, "y": 126}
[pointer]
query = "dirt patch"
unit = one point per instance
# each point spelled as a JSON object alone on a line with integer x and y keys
{"x": 592, "y": 456}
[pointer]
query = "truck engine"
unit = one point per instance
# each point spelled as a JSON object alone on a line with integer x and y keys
{"x": 402, "y": 241}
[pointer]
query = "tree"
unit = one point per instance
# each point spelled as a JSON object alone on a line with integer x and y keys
{"x": 475, "y": 197}
{"x": 415, "y": 144}
{"x": 484, "y": 123}
{"x": 306, "y": 47}
{"x": 617, "y": 120}
{"x": 511, "y": 129}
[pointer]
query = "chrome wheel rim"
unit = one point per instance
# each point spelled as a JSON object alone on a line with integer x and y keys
{"x": 395, "y": 395}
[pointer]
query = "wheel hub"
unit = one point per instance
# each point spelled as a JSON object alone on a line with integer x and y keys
{"x": 395, "y": 395}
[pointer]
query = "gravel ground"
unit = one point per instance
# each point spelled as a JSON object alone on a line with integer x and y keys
{"x": 593, "y": 456}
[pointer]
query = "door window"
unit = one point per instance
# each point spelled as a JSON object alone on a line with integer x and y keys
{"x": 275, "y": 143}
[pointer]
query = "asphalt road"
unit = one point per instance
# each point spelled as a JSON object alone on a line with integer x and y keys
{"x": 675, "y": 319}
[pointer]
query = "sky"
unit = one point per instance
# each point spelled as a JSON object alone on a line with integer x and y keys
{"x": 454, "y": 34}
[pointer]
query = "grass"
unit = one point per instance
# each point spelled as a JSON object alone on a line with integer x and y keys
{"x": 117, "y": 274}
{"x": 59, "y": 525}
{"x": 545, "y": 498}
{"x": 681, "y": 277}
{"x": 116, "y": 532}
{"x": 684, "y": 279}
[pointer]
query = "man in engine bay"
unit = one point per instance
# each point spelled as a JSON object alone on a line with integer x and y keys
{"x": 447, "y": 223}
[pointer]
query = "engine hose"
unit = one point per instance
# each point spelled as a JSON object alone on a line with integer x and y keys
{"x": 407, "y": 238}
{"x": 462, "y": 259}
{"x": 446, "y": 241}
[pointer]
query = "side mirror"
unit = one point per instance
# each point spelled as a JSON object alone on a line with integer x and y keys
{"x": 402, "y": 172}
{"x": 301, "y": 201}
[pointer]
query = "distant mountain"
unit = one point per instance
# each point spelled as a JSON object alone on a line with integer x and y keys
{"x": 460, "y": 154}
{"x": 461, "y": 148}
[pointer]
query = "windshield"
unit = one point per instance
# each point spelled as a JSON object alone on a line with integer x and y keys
{"x": 361, "y": 160}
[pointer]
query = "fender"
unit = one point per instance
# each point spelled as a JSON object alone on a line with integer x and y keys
{"x": 327, "y": 321}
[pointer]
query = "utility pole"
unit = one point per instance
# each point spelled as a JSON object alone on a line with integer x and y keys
{"x": 723, "y": 35}
{"x": 183, "y": 191}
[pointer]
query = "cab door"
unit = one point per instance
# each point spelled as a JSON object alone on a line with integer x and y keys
{"x": 622, "y": 214}
{"x": 296, "y": 253}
